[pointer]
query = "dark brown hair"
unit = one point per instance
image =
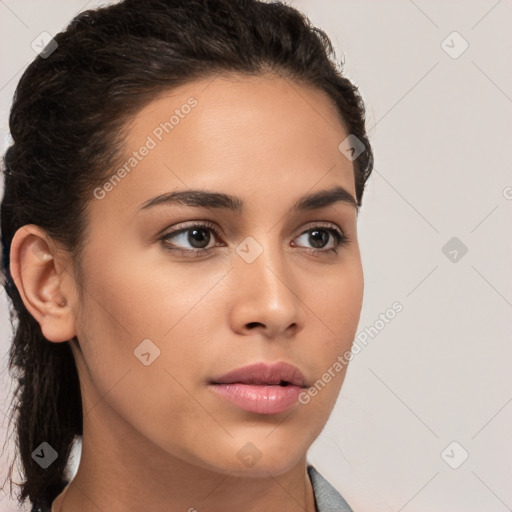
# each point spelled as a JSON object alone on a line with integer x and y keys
{"x": 66, "y": 123}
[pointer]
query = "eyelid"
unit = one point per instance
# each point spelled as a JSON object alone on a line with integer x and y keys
{"x": 175, "y": 230}
{"x": 320, "y": 224}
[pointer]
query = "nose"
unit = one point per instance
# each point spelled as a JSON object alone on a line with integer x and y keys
{"x": 266, "y": 297}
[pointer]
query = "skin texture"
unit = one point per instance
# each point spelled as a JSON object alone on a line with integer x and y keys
{"x": 156, "y": 437}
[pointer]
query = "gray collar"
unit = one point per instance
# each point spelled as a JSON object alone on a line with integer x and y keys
{"x": 327, "y": 498}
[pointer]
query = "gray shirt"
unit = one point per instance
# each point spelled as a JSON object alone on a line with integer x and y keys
{"x": 327, "y": 498}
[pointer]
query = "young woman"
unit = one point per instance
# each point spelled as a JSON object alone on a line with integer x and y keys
{"x": 180, "y": 249}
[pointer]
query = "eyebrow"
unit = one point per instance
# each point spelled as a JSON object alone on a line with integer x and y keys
{"x": 203, "y": 199}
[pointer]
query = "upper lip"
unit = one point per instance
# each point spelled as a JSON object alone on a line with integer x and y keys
{"x": 264, "y": 373}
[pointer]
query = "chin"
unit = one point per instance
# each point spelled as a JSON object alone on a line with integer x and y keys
{"x": 258, "y": 459}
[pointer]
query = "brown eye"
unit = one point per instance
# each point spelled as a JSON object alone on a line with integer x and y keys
{"x": 192, "y": 239}
{"x": 322, "y": 239}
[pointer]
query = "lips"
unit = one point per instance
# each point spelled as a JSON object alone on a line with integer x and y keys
{"x": 261, "y": 388}
{"x": 263, "y": 374}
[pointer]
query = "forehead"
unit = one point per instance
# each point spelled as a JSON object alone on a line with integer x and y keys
{"x": 246, "y": 134}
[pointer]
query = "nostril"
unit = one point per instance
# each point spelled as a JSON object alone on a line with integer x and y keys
{"x": 251, "y": 325}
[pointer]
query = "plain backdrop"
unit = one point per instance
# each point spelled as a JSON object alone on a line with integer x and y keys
{"x": 423, "y": 420}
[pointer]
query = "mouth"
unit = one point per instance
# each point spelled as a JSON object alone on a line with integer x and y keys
{"x": 250, "y": 382}
{"x": 261, "y": 388}
{"x": 264, "y": 374}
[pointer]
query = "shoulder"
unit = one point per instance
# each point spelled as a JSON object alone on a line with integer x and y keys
{"x": 327, "y": 498}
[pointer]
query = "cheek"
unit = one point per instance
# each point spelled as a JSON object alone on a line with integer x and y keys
{"x": 133, "y": 300}
{"x": 130, "y": 302}
{"x": 120, "y": 310}
{"x": 338, "y": 302}
{"x": 338, "y": 308}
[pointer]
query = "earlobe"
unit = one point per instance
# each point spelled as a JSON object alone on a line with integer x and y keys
{"x": 40, "y": 282}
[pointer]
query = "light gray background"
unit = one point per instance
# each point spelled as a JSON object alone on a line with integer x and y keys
{"x": 440, "y": 127}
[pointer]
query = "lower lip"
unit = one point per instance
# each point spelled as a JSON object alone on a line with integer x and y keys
{"x": 260, "y": 399}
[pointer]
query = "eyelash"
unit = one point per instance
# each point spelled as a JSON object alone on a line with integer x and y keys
{"x": 340, "y": 239}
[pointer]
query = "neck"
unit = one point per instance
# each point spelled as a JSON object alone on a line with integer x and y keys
{"x": 113, "y": 477}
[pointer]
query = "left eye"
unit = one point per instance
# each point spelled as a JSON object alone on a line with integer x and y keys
{"x": 319, "y": 237}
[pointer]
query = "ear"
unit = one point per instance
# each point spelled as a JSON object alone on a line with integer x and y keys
{"x": 45, "y": 285}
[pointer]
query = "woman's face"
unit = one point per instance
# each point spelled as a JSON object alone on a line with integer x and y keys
{"x": 166, "y": 311}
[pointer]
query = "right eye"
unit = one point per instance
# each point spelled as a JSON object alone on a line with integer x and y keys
{"x": 197, "y": 236}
